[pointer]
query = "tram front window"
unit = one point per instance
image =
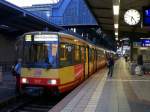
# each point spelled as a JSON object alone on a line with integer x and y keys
{"x": 40, "y": 55}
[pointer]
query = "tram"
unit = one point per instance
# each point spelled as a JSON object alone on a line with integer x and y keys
{"x": 56, "y": 61}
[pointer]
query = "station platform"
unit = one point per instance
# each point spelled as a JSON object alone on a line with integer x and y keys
{"x": 7, "y": 88}
{"x": 123, "y": 92}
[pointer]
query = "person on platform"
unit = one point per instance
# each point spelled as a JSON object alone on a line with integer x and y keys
{"x": 110, "y": 66}
{"x": 17, "y": 75}
{"x": 126, "y": 58}
{"x": 140, "y": 63}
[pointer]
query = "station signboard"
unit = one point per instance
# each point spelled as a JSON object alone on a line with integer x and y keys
{"x": 146, "y": 16}
{"x": 145, "y": 42}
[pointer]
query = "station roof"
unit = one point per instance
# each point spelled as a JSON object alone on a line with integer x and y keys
{"x": 103, "y": 12}
{"x": 16, "y": 20}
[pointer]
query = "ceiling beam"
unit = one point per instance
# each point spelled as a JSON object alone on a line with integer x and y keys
{"x": 101, "y": 8}
{"x": 99, "y": 17}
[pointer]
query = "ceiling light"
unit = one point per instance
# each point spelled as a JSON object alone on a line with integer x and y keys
{"x": 116, "y": 38}
{"x": 116, "y": 26}
{"x": 116, "y": 33}
{"x": 144, "y": 38}
{"x": 116, "y": 9}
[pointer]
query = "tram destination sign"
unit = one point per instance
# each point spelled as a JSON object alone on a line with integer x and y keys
{"x": 46, "y": 37}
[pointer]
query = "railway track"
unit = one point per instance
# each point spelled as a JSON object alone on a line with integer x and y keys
{"x": 33, "y": 104}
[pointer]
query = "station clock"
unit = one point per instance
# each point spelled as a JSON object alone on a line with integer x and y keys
{"x": 132, "y": 17}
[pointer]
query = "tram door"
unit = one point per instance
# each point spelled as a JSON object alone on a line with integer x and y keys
{"x": 83, "y": 55}
{"x": 86, "y": 62}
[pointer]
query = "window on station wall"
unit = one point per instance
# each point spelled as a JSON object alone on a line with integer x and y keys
{"x": 66, "y": 54}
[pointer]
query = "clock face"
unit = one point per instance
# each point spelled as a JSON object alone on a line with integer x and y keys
{"x": 132, "y": 17}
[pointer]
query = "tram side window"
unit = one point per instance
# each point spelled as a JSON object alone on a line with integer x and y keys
{"x": 99, "y": 55}
{"x": 93, "y": 55}
{"x": 90, "y": 54}
{"x": 77, "y": 55}
{"x": 66, "y": 55}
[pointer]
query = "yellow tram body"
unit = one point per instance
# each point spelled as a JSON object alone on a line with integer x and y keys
{"x": 66, "y": 77}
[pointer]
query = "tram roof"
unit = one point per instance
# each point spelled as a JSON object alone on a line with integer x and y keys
{"x": 75, "y": 37}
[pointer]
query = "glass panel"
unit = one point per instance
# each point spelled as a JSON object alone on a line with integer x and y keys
{"x": 41, "y": 55}
{"x": 77, "y": 54}
{"x": 66, "y": 54}
{"x": 90, "y": 54}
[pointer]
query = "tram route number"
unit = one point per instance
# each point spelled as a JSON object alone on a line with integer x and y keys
{"x": 37, "y": 72}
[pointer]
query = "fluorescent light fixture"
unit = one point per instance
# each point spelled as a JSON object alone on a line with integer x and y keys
{"x": 144, "y": 38}
{"x": 5, "y": 26}
{"x": 116, "y": 33}
{"x": 116, "y": 9}
{"x": 116, "y": 26}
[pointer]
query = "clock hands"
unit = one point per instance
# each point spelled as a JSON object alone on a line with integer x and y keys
{"x": 132, "y": 18}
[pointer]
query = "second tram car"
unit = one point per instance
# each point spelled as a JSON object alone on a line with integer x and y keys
{"x": 56, "y": 61}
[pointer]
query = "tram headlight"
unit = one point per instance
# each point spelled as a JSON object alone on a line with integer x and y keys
{"x": 52, "y": 82}
{"x": 24, "y": 80}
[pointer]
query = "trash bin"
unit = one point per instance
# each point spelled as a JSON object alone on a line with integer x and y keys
{"x": 1, "y": 75}
{"x": 138, "y": 70}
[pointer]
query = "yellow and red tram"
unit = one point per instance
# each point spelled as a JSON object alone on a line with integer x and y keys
{"x": 57, "y": 61}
